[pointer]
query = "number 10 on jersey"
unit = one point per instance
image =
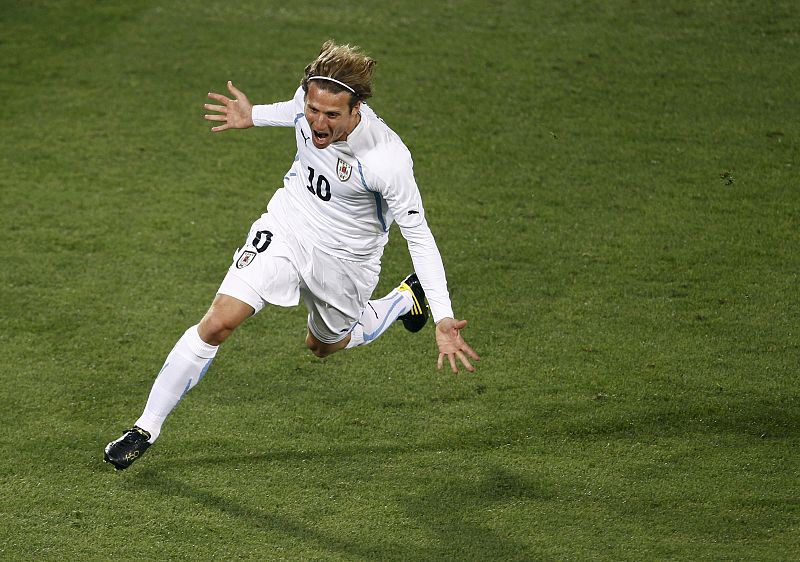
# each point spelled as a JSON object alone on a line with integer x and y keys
{"x": 323, "y": 187}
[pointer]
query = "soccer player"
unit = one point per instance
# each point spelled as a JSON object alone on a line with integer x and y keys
{"x": 321, "y": 238}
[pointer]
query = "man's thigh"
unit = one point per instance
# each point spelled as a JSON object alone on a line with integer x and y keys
{"x": 264, "y": 269}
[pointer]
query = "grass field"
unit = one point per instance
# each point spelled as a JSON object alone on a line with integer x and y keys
{"x": 614, "y": 190}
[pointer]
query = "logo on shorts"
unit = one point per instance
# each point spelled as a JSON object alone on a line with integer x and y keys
{"x": 343, "y": 170}
{"x": 245, "y": 259}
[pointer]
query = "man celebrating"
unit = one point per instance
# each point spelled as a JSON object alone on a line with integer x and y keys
{"x": 322, "y": 237}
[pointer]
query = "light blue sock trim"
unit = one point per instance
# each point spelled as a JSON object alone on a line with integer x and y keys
{"x": 205, "y": 369}
{"x": 189, "y": 384}
{"x": 368, "y": 337}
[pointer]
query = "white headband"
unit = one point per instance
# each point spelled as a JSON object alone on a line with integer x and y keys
{"x": 334, "y": 80}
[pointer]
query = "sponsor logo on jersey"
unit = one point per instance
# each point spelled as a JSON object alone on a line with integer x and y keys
{"x": 245, "y": 259}
{"x": 343, "y": 170}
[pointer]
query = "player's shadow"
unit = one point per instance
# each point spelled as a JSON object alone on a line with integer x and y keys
{"x": 445, "y": 508}
{"x": 451, "y": 509}
{"x": 257, "y": 518}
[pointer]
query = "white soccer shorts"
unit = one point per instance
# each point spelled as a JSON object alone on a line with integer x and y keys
{"x": 274, "y": 267}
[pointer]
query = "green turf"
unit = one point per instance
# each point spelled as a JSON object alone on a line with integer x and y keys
{"x": 613, "y": 186}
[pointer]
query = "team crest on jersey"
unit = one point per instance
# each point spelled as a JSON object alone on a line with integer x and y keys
{"x": 245, "y": 259}
{"x": 343, "y": 170}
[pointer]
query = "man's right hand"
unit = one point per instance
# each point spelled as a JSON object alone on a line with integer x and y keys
{"x": 236, "y": 113}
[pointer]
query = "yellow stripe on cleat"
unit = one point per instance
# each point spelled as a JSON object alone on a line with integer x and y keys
{"x": 416, "y": 308}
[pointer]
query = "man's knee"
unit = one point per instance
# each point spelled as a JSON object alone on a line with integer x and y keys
{"x": 214, "y": 329}
{"x": 321, "y": 349}
{"x": 224, "y": 316}
{"x": 317, "y": 347}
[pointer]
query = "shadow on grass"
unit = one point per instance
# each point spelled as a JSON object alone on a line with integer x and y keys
{"x": 660, "y": 417}
{"x": 456, "y": 510}
{"x": 459, "y": 512}
{"x": 260, "y": 519}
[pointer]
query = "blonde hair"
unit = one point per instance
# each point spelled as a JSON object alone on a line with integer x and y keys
{"x": 344, "y": 64}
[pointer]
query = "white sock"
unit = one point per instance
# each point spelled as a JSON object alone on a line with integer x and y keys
{"x": 379, "y": 316}
{"x": 185, "y": 366}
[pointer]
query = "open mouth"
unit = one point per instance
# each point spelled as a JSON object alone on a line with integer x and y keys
{"x": 319, "y": 135}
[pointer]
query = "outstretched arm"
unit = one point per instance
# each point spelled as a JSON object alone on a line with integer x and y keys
{"x": 235, "y": 113}
{"x": 452, "y": 345}
{"x": 428, "y": 267}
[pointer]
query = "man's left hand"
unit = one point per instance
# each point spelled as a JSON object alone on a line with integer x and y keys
{"x": 452, "y": 345}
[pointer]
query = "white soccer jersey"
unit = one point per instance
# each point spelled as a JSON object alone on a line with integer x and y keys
{"x": 342, "y": 199}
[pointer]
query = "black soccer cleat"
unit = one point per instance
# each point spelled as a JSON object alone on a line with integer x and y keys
{"x": 414, "y": 319}
{"x": 132, "y": 445}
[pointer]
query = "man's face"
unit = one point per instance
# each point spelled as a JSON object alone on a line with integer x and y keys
{"x": 329, "y": 115}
